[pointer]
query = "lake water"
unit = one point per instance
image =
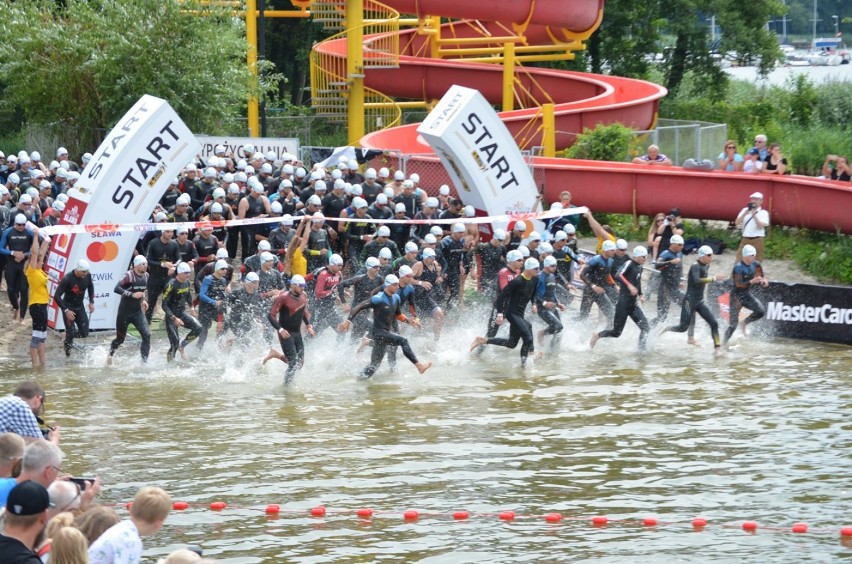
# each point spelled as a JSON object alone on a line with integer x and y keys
{"x": 762, "y": 434}
{"x": 779, "y": 76}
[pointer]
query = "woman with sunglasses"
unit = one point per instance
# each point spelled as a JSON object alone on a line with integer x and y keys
{"x": 775, "y": 162}
{"x": 729, "y": 159}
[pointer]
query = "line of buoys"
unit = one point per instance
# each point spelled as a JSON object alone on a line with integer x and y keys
{"x": 698, "y": 523}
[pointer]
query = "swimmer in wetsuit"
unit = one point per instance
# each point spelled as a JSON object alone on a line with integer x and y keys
{"x": 629, "y": 299}
{"x": 386, "y": 307}
{"x": 747, "y": 273}
{"x": 288, "y": 312}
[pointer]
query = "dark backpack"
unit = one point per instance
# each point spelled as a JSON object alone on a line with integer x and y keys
{"x": 716, "y": 244}
{"x": 691, "y": 245}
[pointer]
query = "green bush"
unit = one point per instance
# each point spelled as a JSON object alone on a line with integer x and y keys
{"x": 603, "y": 143}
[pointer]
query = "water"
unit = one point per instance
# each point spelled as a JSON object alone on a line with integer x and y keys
{"x": 780, "y": 75}
{"x": 761, "y": 434}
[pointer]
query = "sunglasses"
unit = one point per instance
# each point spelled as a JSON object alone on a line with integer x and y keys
{"x": 731, "y": 147}
{"x": 299, "y": 285}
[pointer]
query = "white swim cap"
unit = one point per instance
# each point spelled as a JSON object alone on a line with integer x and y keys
{"x": 705, "y": 250}
{"x": 383, "y": 231}
{"x": 404, "y": 271}
{"x": 531, "y": 264}
{"x": 639, "y": 252}
{"x": 220, "y": 264}
{"x": 184, "y": 268}
{"x": 411, "y": 247}
{"x": 608, "y": 245}
{"x": 264, "y": 245}
{"x": 335, "y": 260}
{"x": 391, "y": 279}
{"x": 749, "y": 251}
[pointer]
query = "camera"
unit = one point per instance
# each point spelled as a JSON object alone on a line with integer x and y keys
{"x": 670, "y": 218}
{"x": 750, "y": 205}
{"x": 82, "y": 482}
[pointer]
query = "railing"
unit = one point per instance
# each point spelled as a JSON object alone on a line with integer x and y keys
{"x": 682, "y": 140}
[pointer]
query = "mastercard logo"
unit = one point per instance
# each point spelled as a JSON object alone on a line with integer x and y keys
{"x": 106, "y": 251}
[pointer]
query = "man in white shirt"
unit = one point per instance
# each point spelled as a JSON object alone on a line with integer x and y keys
{"x": 753, "y": 220}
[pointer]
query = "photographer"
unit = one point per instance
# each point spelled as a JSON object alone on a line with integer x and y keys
{"x": 753, "y": 220}
{"x": 672, "y": 224}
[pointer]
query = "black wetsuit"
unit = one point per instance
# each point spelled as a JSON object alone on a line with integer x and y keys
{"x": 694, "y": 303}
{"x": 213, "y": 290}
{"x": 363, "y": 288}
{"x": 158, "y": 253}
{"x": 493, "y": 258}
{"x": 130, "y": 311}
{"x": 741, "y": 296}
{"x": 69, "y": 296}
{"x": 546, "y": 292}
{"x": 512, "y": 303}
{"x": 176, "y": 298}
{"x": 597, "y": 273}
{"x": 628, "y": 304}
{"x": 287, "y": 312}
{"x": 17, "y": 286}
{"x": 244, "y": 309}
{"x": 385, "y": 310}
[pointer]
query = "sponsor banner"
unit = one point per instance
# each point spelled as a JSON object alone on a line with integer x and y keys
{"x": 100, "y": 230}
{"x": 807, "y": 311}
{"x": 480, "y": 155}
{"x": 234, "y": 146}
{"x": 121, "y": 185}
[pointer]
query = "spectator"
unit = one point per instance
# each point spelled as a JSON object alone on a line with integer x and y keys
{"x": 760, "y": 145}
{"x": 56, "y": 520}
{"x": 672, "y": 225}
{"x": 180, "y": 556}
{"x": 775, "y": 163}
{"x": 839, "y": 171}
{"x": 95, "y": 521}
{"x": 19, "y": 412}
{"x": 11, "y": 450}
{"x": 752, "y": 163}
{"x": 653, "y": 157}
{"x": 753, "y": 220}
{"x": 729, "y": 159}
{"x": 602, "y": 232}
{"x": 68, "y": 546}
{"x": 653, "y": 240}
{"x": 148, "y": 512}
{"x": 26, "y": 518}
{"x": 42, "y": 463}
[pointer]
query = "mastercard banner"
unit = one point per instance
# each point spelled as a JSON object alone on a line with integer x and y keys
{"x": 121, "y": 185}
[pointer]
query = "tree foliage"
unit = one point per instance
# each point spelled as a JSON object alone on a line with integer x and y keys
{"x": 603, "y": 143}
{"x": 85, "y": 62}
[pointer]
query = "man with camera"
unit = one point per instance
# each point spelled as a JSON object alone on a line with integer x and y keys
{"x": 19, "y": 413}
{"x": 753, "y": 220}
{"x": 671, "y": 225}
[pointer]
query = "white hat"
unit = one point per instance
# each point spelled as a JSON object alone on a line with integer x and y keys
{"x": 388, "y": 191}
{"x": 227, "y": 178}
{"x": 318, "y": 217}
{"x": 59, "y": 205}
{"x": 25, "y": 199}
{"x": 14, "y": 178}
{"x": 275, "y": 207}
{"x": 286, "y": 183}
{"x": 549, "y": 260}
{"x": 32, "y": 192}
{"x": 218, "y": 193}
{"x": 44, "y": 184}
{"x": 181, "y": 230}
{"x": 383, "y": 231}
{"x": 20, "y": 219}
{"x": 500, "y": 234}
{"x": 621, "y": 244}
{"x": 458, "y": 228}
{"x": 382, "y": 199}
{"x": 359, "y": 203}
{"x": 86, "y": 157}
{"x": 184, "y": 268}
{"x": 525, "y": 251}
{"x": 436, "y": 231}
{"x": 676, "y": 240}
{"x": 53, "y": 165}
{"x": 335, "y": 260}
{"x": 514, "y": 255}
{"x": 339, "y": 184}
{"x": 286, "y": 219}
{"x": 257, "y": 156}
{"x": 560, "y": 236}
{"x": 253, "y": 278}
{"x": 749, "y": 251}
{"x": 428, "y": 252}
{"x": 414, "y": 177}
{"x": 705, "y": 250}
{"x": 545, "y": 247}
{"x": 400, "y": 207}
{"x": 266, "y": 168}
{"x": 320, "y": 185}
{"x": 399, "y": 175}
{"x": 757, "y": 195}
{"x": 469, "y": 211}
{"x": 257, "y": 187}
{"x": 535, "y": 236}
{"x": 161, "y": 216}
{"x": 429, "y": 239}
{"x": 411, "y": 247}
{"x": 570, "y": 229}
{"x": 233, "y": 188}
{"x": 266, "y": 256}
{"x": 444, "y": 190}
{"x": 520, "y": 226}
{"x": 301, "y": 172}
{"x": 3, "y": 191}
{"x": 405, "y": 270}
{"x": 287, "y": 169}
{"x": 222, "y": 253}
{"x": 264, "y": 245}
{"x": 357, "y": 190}
{"x": 190, "y": 167}
{"x": 314, "y": 200}
{"x": 61, "y": 151}
{"x": 139, "y": 259}
{"x": 640, "y": 251}
{"x": 432, "y": 202}
{"x": 183, "y": 200}
{"x": 391, "y": 279}
{"x": 556, "y": 206}
{"x": 372, "y": 262}
{"x": 370, "y": 173}
{"x": 384, "y": 172}
{"x": 271, "y": 156}
{"x": 248, "y": 170}
{"x": 24, "y": 160}
{"x": 220, "y": 264}
{"x": 343, "y": 165}
{"x": 385, "y": 253}
{"x": 35, "y": 156}
{"x": 38, "y": 173}
{"x": 531, "y": 264}
{"x": 241, "y": 177}
{"x": 408, "y": 185}
{"x": 608, "y": 245}
{"x": 210, "y": 172}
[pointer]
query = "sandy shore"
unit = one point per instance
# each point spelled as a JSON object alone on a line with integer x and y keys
{"x": 14, "y": 337}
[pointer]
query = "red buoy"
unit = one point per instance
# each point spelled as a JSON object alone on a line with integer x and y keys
{"x": 180, "y": 505}
{"x": 749, "y": 525}
{"x": 800, "y": 528}
{"x": 217, "y": 505}
{"x": 411, "y": 515}
{"x": 365, "y": 512}
{"x": 273, "y": 509}
{"x": 699, "y": 522}
{"x": 846, "y": 531}
{"x": 459, "y": 515}
{"x": 649, "y": 522}
{"x": 553, "y": 517}
{"x": 507, "y": 515}
{"x": 318, "y": 511}
{"x": 599, "y": 520}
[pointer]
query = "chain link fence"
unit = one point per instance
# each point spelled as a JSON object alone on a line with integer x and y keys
{"x": 681, "y": 140}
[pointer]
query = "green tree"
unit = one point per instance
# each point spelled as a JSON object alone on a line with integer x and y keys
{"x": 85, "y": 62}
{"x": 627, "y": 39}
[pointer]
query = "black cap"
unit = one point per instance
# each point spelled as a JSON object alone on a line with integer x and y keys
{"x": 28, "y": 498}
{"x": 675, "y": 212}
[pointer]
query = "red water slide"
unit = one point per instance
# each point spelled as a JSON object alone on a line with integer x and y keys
{"x": 582, "y": 100}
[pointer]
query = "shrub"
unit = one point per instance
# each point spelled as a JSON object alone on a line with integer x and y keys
{"x": 603, "y": 143}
